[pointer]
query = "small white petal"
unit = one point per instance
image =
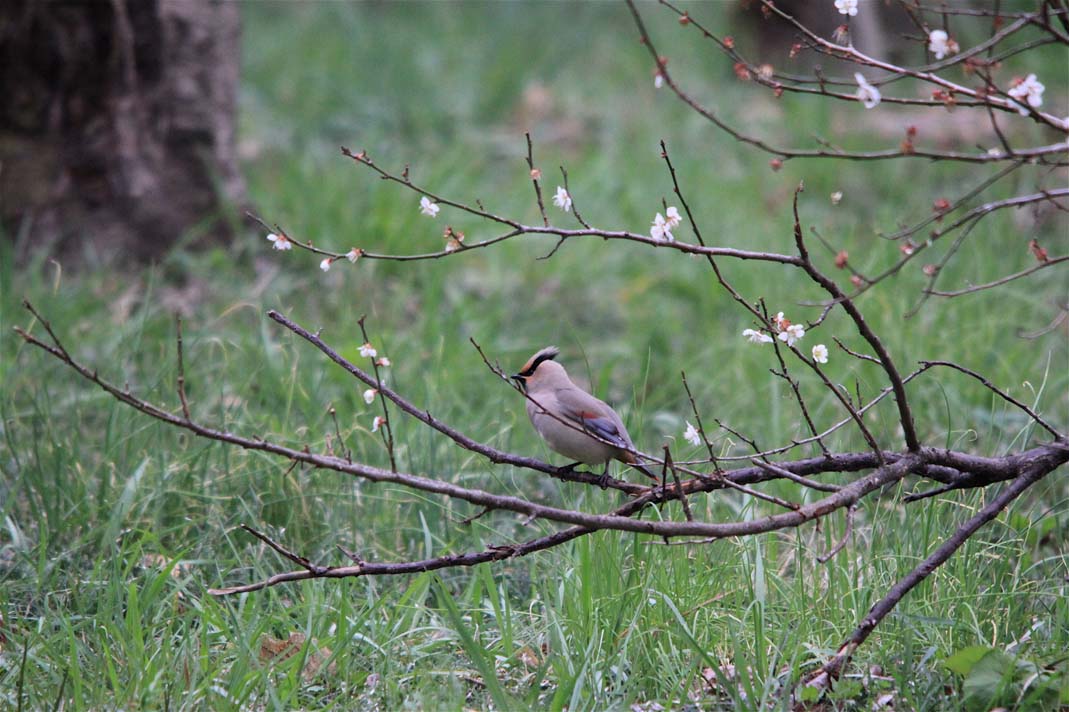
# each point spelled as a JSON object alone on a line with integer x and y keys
{"x": 820, "y": 353}
{"x": 846, "y": 7}
{"x": 377, "y": 423}
{"x": 325, "y": 264}
{"x": 673, "y": 218}
{"x": 866, "y": 93}
{"x": 353, "y": 255}
{"x": 691, "y": 435}
{"x": 369, "y": 395}
{"x": 756, "y": 337}
{"x": 658, "y": 81}
{"x": 938, "y": 43}
{"x": 368, "y": 351}
{"x": 428, "y": 207}
{"x": 562, "y": 200}
{"x": 384, "y": 362}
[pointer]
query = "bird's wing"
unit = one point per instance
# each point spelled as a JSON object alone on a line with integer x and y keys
{"x": 594, "y": 416}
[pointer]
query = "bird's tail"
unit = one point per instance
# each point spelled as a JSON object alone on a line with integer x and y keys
{"x": 636, "y": 462}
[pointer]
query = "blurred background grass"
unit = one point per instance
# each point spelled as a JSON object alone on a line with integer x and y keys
{"x": 114, "y": 525}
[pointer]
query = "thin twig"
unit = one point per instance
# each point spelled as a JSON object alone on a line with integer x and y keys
{"x": 701, "y": 428}
{"x": 535, "y": 179}
{"x": 999, "y": 282}
{"x": 827, "y": 556}
{"x": 387, "y": 428}
{"x": 804, "y": 481}
{"x": 313, "y": 569}
{"x": 999, "y": 392}
{"x": 679, "y": 487}
{"x": 181, "y": 367}
{"x": 831, "y": 670}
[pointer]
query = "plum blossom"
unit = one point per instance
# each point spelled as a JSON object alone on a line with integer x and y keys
{"x": 820, "y": 353}
{"x": 940, "y": 44}
{"x": 428, "y": 207}
{"x": 377, "y": 423}
{"x": 368, "y": 351}
{"x": 562, "y": 200}
{"x": 658, "y": 80}
{"x": 354, "y": 254}
{"x": 1030, "y": 90}
{"x": 672, "y": 217}
{"x": 691, "y": 435}
{"x": 788, "y": 332}
{"x": 846, "y": 7}
{"x": 280, "y": 242}
{"x": 866, "y": 93}
{"x": 369, "y": 395}
{"x": 756, "y": 337}
{"x": 384, "y": 362}
{"x": 792, "y": 333}
{"x": 661, "y": 230}
{"x": 325, "y": 264}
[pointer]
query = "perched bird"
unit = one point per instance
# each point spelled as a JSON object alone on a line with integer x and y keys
{"x": 570, "y": 420}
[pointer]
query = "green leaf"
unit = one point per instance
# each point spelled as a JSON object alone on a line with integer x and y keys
{"x": 962, "y": 661}
{"x": 990, "y": 682}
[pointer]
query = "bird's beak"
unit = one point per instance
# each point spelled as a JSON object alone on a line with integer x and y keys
{"x": 521, "y": 382}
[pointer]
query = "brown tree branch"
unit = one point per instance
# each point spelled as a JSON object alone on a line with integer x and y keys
{"x": 1036, "y": 470}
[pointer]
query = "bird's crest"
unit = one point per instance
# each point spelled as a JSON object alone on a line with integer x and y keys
{"x": 547, "y": 354}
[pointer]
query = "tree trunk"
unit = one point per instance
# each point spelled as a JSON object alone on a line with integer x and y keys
{"x": 118, "y": 124}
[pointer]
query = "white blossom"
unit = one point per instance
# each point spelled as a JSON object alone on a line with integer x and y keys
{"x": 658, "y": 80}
{"x": 325, "y": 264}
{"x": 562, "y": 200}
{"x": 368, "y": 351}
{"x": 866, "y": 93}
{"x": 691, "y": 435}
{"x": 377, "y": 423}
{"x": 940, "y": 44}
{"x": 369, "y": 395}
{"x": 820, "y": 353}
{"x": 792, "y": 333}
{"x": 1030, "y": 90}
{"x": 353, "y": 255}
{"x": 672, "y": 217}
{"x": 384, "y": 362}
{"x": 846, "y": 7}
{"x": 661, "y": 230}
{"x": 756, "y": 337}
{"x": 836, "y": 197}
{"x": 428, "y": 207}
{"x": 280, "y": 242}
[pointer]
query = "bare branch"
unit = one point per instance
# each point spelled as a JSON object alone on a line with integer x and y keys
{"x": 181, "y": 382}
{"x": 1027, "y": 477}
{"x": 536, "y": 177}
{"x": 1000, "y": 393}
{"x": 1003, "y": 280}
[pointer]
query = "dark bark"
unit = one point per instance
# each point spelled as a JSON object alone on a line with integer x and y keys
{"x": 118, "y": 125}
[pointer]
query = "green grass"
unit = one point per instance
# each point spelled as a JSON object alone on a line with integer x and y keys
{"x": 113, "y": 525}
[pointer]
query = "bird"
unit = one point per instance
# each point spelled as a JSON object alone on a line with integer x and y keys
{"x": 570, "y": 420}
